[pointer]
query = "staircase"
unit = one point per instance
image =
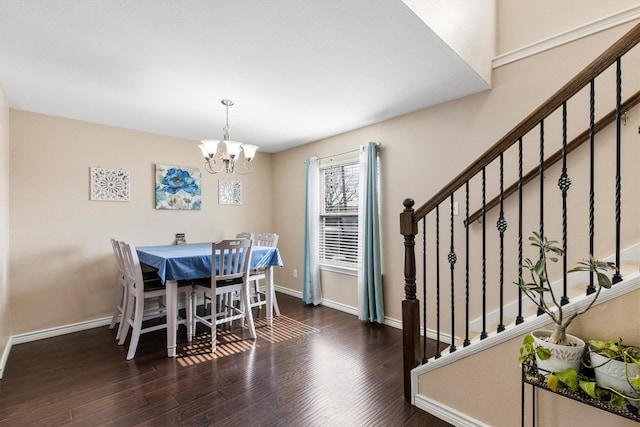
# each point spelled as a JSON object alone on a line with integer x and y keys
{"x": 571, "y": 187}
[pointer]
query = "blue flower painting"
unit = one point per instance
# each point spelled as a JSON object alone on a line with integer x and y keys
{"x": 178, "y": 187}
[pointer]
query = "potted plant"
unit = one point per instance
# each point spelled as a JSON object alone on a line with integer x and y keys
{"x": 556, "y": 351}
{"x": 617, "y": 370}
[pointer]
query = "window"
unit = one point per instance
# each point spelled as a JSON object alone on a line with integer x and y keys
{"x": 339, "y": 186}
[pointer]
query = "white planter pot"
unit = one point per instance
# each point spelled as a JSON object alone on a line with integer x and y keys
{"x": 562, "y": 357}
{"x": 614, "y": 373}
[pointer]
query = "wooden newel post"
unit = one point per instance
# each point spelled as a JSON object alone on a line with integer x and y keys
{"x": 410, "y": 304}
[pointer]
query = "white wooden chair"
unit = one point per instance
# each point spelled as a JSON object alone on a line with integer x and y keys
{"x": 149, "y": 275}
{"x": 231, "y": 277}
{"x": 118, "y": 311}
{"x": 258, "y": 297}
{"x": 140, "y": 291}
{"x": 244, "y": 235}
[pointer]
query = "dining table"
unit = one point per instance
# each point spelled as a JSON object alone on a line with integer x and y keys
{"x": 194, "y": 261}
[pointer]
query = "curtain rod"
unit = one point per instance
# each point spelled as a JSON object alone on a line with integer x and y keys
{"x": 339, "y": 154}
{"x": 346, "y": 152}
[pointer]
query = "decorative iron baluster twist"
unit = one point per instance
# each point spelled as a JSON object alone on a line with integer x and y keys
{"x": 502, "y": 227}
{"x": 541, "y": 172}
{"x": 592, "y": 134}
{"x": 452, "y": 258}
{"x": 617, "y": 277}
{"x": 466, "y": 267}
{"x": 564, "y": 182}
{"x": 438, "y": 354}
{"x": 519, "y": 318}
{"x": 424, "y": 290}
{"x": 484, "y": 334}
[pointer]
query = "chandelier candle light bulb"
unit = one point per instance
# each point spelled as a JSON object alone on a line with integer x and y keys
{"x": 227, "y": 152}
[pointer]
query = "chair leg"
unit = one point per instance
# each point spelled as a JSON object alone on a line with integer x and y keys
{"x": 118, "y": 311}
{"x": 214, "y": 316}
{"x": 247, "y": 313}
{"x": 123, "y": 319}
{"x": 137, "y": 327}
{"x": 189, "y": 315}
{"x": 276, "y": 308}
{"x": 125, "y": 324}
{"x": 193, "y": 301}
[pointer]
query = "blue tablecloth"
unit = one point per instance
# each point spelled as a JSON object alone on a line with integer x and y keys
{"x": 181, "y": 262}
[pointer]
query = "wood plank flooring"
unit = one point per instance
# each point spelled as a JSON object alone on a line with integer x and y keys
{"x": 322, "y": 368}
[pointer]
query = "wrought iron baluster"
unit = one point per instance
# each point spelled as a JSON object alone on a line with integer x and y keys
{"x": 617, "y": 277}
{"x": 564, "y": 182}
{"x": 466, "y": 267}
{"x": 424, "y": 290}
{"x": 519, "y": 318}
{"x": 438, "y": 354}
{"x": 591, "y": 288}
{"x": 502, "y": 227}
{"x": 452, "y": 262}
{"x": 541, "y": 172}
{"x": 484, "y": 334}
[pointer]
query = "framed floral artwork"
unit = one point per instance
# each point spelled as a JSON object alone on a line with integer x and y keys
{"x": 178, "y": 187}
{"x": 110, "y": 185}
{"x": 229, "y": 192}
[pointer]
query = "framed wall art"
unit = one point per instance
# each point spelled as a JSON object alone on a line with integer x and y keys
{"x": 178, "y": 187}
{"x": 229, "y": 192}
{"x": 110, "y": 185}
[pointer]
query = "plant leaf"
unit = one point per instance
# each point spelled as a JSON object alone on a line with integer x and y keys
{"x": 569, "y": 377}
{"x": 589, "y": 387}
{"x": 543, "y": 353}
{"x": 552, "y": 382}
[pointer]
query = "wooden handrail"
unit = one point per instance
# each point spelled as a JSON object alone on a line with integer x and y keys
{"x": 590, "y": 72}
{"x": 557, "y": 156}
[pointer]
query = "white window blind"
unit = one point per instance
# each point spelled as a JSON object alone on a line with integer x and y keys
{"x": 339, "y": 214}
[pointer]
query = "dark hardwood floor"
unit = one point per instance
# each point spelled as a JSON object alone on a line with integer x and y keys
{"x": 319, "y": 367}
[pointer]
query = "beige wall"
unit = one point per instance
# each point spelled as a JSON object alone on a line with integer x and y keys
{"x": 62, "y": 269}
{"x": 523, "y": 22}
{"x": 5, "y": 314}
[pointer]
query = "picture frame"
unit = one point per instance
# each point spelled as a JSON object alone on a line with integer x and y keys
{"x": 111, "y": 185}
{"x": 229, "y": 192}
{"x": 178, "y": 187}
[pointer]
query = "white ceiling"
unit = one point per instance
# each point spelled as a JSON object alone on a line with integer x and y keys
{"x": 297, "y": 70}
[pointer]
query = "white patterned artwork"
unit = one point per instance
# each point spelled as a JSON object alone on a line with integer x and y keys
{"x": 110, "y": 185}
{"x": 229, "y": 192}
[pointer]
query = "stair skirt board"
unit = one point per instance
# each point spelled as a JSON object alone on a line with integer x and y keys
{"x": 446, "y": 413}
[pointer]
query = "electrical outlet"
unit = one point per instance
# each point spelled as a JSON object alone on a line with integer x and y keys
{"x": 295, "y": 274}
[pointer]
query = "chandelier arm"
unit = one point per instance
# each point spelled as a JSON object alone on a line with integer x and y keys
{"x": 248, "y": 166}
{"x": 209, "y": 166}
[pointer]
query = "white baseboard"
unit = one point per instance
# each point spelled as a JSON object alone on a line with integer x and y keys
{"x": 5, "y": 355}
{"x": 446, "y": 413}
{"x": 60, "y": 330}
{"x": 394, "y": 323}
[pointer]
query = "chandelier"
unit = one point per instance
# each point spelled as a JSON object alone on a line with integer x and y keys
{"x": 223, "y": 155}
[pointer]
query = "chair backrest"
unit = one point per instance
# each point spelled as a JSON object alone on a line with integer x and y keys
{"x": 244, "y": 235}
{"x": 133, "y": 272}
{"x": 117, "y": 251}
{"x": 267, "y": 239}
{"x": 233, "y": 259}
